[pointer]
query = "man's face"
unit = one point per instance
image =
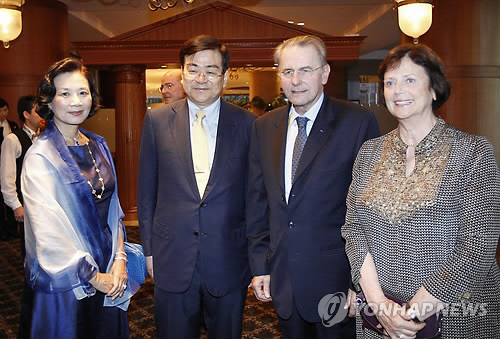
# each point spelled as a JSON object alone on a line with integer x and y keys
{"x": 3, "y": 113}
{"x": 171, "y": 87}
{"x": 33, "y": 120}
{"x": 302, "y": 76}
{"x": 202, "y": 77}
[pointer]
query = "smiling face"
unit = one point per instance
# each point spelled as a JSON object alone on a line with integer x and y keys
{"x": 202, "y": 77}
{"x": 303, "y": 90}
{"x": 72, "y": 102}
{"x": 407, "y": 91}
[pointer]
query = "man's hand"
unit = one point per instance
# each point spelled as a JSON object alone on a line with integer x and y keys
{"x": 149, "y": 266}
{"x": 261, "y": 285}
{"x": 19, "y": 214}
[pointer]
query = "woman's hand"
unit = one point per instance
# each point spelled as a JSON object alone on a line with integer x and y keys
{"x": 119, "y": 274}
{"x": 103, "y": 282}
{"x": 391, "y": 317}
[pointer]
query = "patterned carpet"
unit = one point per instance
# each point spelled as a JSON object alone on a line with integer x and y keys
{"x": 259, "y": 318}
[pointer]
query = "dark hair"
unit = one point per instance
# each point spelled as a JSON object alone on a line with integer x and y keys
{"x": 25, "y": 103}
{"x": 203, "y": 42}
{"x": 3, "y": 103}
{"x": 258, "y": 102}
{"x": 47, "y": 89}
{"x": 422, "y": 56}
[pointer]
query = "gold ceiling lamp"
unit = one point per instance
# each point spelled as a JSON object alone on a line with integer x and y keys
{"x": 414, "y": 17}
{"x": 11, "y": 23}
{"x": 164, "y": 4}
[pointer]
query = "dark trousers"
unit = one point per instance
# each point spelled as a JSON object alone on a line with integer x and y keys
{"x": 8, "y": 224}
{"x": 179, "y": 315}
{"x": 297, "y": 327}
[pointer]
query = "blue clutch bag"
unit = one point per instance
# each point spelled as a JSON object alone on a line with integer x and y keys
{"x": 136, "y": 264}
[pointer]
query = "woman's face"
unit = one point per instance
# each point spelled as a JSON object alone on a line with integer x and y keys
{"x": 407, "y": 91}
{"x": 72, "y": 102}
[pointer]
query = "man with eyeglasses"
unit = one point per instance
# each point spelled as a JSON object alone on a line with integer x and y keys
{"x": 301, "y": 159}
{"x": 191, "y": 202}
{"x": 171, "y": 88}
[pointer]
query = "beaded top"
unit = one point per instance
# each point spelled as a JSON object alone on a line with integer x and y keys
{"x": 394, "y": 195}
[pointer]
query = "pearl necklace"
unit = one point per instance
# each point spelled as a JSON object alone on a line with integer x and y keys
{"x": 98, "y": 196}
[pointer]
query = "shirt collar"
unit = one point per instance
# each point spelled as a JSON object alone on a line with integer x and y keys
{"x": 29, "y": 131}
{"x": 211, "y": 112}
{"x": 311, "y": 114}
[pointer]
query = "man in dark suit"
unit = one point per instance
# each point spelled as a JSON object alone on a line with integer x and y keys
{"x": 301, "y": 159}
{"x": 8, "y": 225}
{"x": 191, "y": 201}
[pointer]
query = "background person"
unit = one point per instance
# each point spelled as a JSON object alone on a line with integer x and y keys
{"x": 191, "y": 200}
{"x": 14, "y": 148}
{"x": 258, "y": 105}
{"x": 423, "y": 218}
{"x": 171, "y": 88}
{"x": 8, "y": 224}
{"x": 301, "y": 160}
{"x": 75, "y": 261}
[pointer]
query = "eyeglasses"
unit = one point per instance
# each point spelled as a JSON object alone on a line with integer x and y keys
{"x": 192, "y": 74}
{"x": 302, "y": 73}
{"x": 167, "y": 86}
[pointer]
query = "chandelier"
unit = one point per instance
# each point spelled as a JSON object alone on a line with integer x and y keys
{"x": 11, "y": 23}
{"x": 414, "y": 17}
{"x": 164, "y": 4}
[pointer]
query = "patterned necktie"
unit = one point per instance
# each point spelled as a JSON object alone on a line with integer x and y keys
{"x": 200, "y": 153}
{"x": 300, "y": 141}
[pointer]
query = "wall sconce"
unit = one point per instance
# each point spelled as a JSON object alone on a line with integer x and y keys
{"x": 414, "y": 17}
{"x": 11, "y": 23}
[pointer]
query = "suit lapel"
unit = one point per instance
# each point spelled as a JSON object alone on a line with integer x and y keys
{"x": 226, "y": 130}
{"x": 320, "y": 132}
{"x": 278, "y": 146}
{"x": 179, "y": 128}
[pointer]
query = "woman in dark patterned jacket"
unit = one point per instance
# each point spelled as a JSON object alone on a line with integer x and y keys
{"x": 423, "y": 218}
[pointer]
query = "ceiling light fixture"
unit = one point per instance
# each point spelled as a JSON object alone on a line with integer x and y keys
{"x": 11, "y": 23}
{"x": 164, "y": 4}
{"x": 414, "y": 17}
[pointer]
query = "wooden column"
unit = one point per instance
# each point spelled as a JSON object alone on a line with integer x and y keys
{"x": 264, "y": 84}
{"x": 43, "y": 40}
{"x": 130, "y": 107}
{"x": 465, "y": 35}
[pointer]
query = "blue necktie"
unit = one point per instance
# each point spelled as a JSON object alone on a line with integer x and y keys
{"x": 300, "y": 141}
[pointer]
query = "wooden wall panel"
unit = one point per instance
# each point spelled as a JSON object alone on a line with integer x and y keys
{"x": 44, "y": 40}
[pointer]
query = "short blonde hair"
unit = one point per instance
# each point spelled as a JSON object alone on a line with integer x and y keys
{"x": 302, "y": 41}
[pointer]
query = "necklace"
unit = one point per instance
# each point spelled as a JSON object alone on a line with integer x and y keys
{"x": 76, "y": 139}
{"x": 98, "y": 196}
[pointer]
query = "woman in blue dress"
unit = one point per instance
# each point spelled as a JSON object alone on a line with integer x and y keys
{"x": 75, "y": 258}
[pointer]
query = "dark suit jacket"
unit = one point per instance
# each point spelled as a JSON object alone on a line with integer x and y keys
{"x": 300, "y": 243}
{"x": 175, "y": 222}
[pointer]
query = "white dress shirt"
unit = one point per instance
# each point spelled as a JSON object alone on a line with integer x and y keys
{"x": 11, "y": 150}
{"x": 6, "y": 128}
{"x": 291, "y": 135}
{"x": 210, "y": 123}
